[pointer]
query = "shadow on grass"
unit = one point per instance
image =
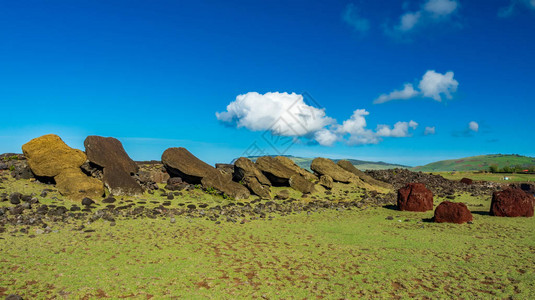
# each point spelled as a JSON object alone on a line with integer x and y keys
{"x": 481, "y": 213}
{"x": 391, "y": 207}
{"x": 429, "y": 220}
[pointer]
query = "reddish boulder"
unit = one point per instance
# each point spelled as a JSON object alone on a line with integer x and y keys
{"x": 511, "y": 203}
{"x": 415, "y": 197}
{"x": 467, "y": 181}
{"x": 452, "y": 212}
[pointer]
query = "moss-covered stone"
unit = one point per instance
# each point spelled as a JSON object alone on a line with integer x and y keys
{"x": 48, "y": 156}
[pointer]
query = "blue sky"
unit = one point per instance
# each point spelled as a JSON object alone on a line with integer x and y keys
{"x": 155, "y": 73}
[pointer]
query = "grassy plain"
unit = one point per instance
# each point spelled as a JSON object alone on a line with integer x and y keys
{"x": 371, "y": 252}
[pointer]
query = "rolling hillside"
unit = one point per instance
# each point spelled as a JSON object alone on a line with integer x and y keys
{"x": 362, "y": 165}
{"x": 477, "y": 163}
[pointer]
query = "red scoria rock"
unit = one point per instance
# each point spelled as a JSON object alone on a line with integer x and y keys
{"x": 511, "y": 202}
{"x": 415, "y": 197}
{"x": 467, "y": 181}
{"x": 452, "y": 212}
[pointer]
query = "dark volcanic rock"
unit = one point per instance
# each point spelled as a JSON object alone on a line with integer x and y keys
{"x": 300, "y": 183}
{"x": 222, "y": 183}
{"x": 452, "y": 212}
{"x": 439, "y": 185}
{"x": 174, "y": 180}
{"x": 87, "y": 201}
{"x": 244, "y": 167}
{"x": 294, "y": 167}
{"x": 180, "y": 162}
{"x": 109, "y": 200}
{"x": 256, "y": 188}
{"x": 225, "y": 168}
{"x": 108, "y": 152}
{"x": 511, "y": 202}
{"x": 119, "y": 182}
{"x": 326, "y": 181}
{"x": 21, "y": 170}
{"x": 283, "y": 195}
{"x": 246, "y": 172}
{"x": 415, "y": 197}
{"x": 348, "y": 166}
{"x": 15, "y": 198}
{"x": 277, "y": 173}
{"x": 324, "y": 166}
{"x": 467, "y": 181}
{"x": 17, "y": 164}
{"x": 526, "y": 187}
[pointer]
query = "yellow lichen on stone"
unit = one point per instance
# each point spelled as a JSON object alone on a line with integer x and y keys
{"x": 73, "y": 183}
{"x": 48, "y": 155}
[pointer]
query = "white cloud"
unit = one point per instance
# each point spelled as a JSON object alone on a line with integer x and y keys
{"x": 288, "y": 115}
{"x": 351, "y": 16}
{"x": 431, "y": 11}
{"x": 407, "y": 93}
{"x": 432, "y": 85}
{"x": 358, "y": 134}
{"x": 429, "y": 130}
{"x": 355, "y": 127}
{"x": 282, "y": 113}
{"x": 408, "y": 21}
{"x": 440, "y": 7}
{"x": 401, "y": 129}
{"x": 473, "y": 126}
{"x": 508, "y": 11}
{"x": 326, "y": 137}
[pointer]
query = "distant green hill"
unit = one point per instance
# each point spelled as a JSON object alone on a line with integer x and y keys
{"x": 477, "y": 163}
{"x": 304, "y": 162}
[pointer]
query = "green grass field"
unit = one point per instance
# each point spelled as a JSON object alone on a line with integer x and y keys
{"x": 475, "y": 163}
{"x": 327, "y": 254}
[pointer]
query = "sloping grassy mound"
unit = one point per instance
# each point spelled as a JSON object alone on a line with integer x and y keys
{"x": 476, "y": 163}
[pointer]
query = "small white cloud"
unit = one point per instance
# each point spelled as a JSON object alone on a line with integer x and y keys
{"x": 407, "y": 92}
{"x": 355, "y": 127}
{"x": 429, "y": 130}
{"x": 351, "y": 16}
{"x": 440, "y": 7}
{"x": 434, "y": 84}
{"x": 430, "y": 12}
{"x": 408, "y": 21}
{"x": 401, "y": 129}
{"x": 474, "y": 126}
